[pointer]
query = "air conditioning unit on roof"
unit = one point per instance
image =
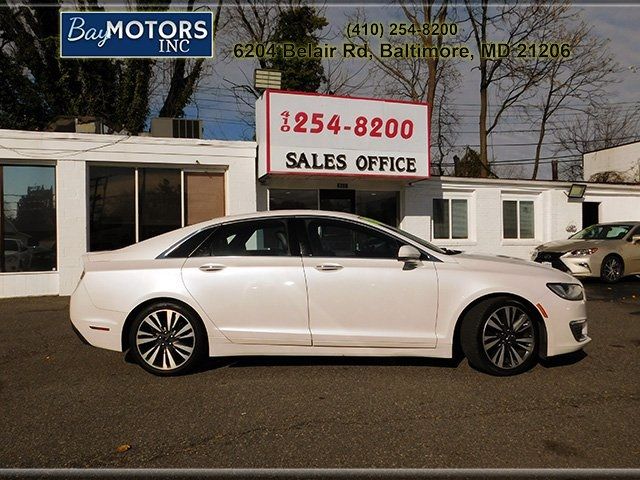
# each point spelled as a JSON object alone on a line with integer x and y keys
{"x": 176, "y": 127}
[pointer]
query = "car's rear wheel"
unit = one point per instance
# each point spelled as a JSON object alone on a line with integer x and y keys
{"x": 612, "y": 269}
{"x": 167, "y": 339}
{"x": 499, "y": 336}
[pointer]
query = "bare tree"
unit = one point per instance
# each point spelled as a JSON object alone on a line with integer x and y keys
{"x": 431, "y": 80}
{"x": 508, "y": 80}
{"x": 428, "y": 12}
{"x": 601, "y": 126}
{"x": 184, "y": 75}
{"x": 581, "y": 77}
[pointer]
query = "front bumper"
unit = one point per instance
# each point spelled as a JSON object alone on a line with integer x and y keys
{"x": 566, "y": 325}
{"x": 580, "y": 266}
{"x": 576, "y": 266}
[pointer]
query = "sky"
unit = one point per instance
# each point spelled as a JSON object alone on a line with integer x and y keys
{"x": 226, "y": 119}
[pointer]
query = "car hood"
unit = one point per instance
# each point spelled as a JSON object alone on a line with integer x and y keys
{"x": 510, "y": 265}
{"x": 568, "y": 245}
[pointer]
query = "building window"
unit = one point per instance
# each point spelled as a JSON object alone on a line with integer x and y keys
{"x": 114, "y": 221}
{"x": 450, "y": 219}
{"x": 159, "y": 204}
{"x": 112, "y": 208}
{"x": 518, "y": 220}
{"x": 28, "y": 218}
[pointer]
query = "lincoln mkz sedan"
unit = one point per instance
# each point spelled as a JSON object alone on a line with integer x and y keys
{"x": 321, "y": 283}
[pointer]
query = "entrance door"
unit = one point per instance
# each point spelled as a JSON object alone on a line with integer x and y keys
{"x": 360, "y": 295}
{"x": 338, "y": 200}
{"x": 590, "y": 213}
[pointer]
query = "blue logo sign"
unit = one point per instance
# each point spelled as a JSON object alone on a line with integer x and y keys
{"x": 136, "y": 34}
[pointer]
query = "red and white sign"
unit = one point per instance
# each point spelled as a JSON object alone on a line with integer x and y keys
{"x": 313, "y": 134}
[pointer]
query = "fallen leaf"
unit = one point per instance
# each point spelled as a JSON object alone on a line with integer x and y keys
{"x": 123, "y": 448}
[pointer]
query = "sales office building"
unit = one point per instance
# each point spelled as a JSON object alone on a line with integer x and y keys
{"x": 63, "y": 194}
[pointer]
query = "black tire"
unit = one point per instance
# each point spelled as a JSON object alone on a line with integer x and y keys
{"x": 167, "y": 339}
{"x": 612, "y": 269}
{"x": 520, "y": 335}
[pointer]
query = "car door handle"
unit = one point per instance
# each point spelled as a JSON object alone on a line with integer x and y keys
{"x": 211, "y": 267}
{"x": 328, "y": 267}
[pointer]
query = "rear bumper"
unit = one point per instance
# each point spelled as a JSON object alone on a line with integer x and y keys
{"x": 97, "y": 327}
{"x": 79, "y": 335}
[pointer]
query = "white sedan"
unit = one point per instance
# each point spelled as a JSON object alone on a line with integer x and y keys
{"x": 321, "y": 283}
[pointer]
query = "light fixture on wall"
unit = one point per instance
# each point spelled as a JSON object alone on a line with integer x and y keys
{"x": 577, "y": 191}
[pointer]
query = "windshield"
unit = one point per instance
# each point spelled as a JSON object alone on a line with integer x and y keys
{"x": 408, "y": 235}
{"x": 603, "y": 232}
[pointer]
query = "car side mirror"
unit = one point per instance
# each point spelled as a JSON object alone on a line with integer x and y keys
{"x": 407, "y": 253}
{"x": 635, "y": 239}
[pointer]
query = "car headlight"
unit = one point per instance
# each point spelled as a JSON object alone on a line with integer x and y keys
{"x": 534, "y": 253}
{"x": 568, "y": 291}
{"x": 583, "y": 252}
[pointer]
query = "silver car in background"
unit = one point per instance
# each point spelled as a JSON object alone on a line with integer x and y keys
{"x": 606, "y": 250}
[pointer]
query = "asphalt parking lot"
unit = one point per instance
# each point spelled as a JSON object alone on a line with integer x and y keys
{"x": 65, "y": 404}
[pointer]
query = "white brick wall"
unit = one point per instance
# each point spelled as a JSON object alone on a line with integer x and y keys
{"x": 554, "y": 212}
{"x": 71, "y": 200}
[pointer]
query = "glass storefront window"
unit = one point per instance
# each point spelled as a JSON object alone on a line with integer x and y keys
{"x": 380, "y": 206}
{"x": 280, "y": 199}
{"x": 28, "y": 215}
{"x": 338, "y": 200}
{"x": 159, "y": 201}
{"x": 112, "y": 208}
{"x": 161, "y": 208}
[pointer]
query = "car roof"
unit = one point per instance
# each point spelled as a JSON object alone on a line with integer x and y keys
{"x": 630, "y": 222}
{"x": 279, "y": 213}
{"x": 152, "y": 247}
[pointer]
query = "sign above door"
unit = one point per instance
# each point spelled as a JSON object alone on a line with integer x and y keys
{"x": 312, "y": 134}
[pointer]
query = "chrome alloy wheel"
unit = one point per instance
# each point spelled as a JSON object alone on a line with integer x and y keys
{"x": 508, "y": 337}
{"x": 612, "y": 269}
{"x": 165, "y": 339}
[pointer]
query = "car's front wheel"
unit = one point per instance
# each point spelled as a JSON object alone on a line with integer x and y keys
{"x": 167, "y": 339}
{"x": 612, "y": 269}
{"x": 499, "y": 337}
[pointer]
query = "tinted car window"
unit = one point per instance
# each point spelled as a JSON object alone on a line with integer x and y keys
{"x": 335, "y": 238}
{"x": 252, "y": 238}
{"x": 189, "y": 244}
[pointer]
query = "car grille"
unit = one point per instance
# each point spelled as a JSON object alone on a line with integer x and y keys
{"x": 553, "y": 258}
